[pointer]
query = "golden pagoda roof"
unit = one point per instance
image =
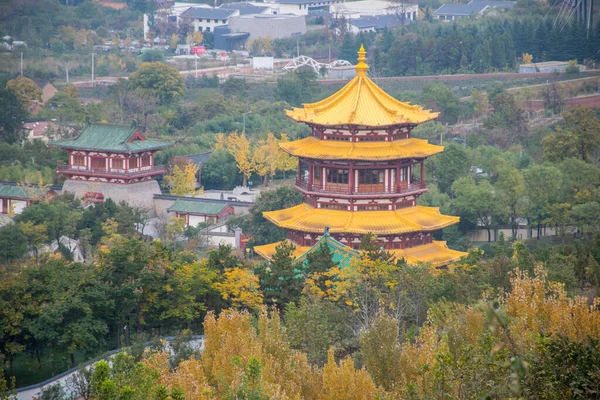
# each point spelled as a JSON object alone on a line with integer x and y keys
{"x": 305, "y": 218}
{"x": 436, "y": 253}
{"x": 361, "y": 102}
{"x": 312, "y": 147}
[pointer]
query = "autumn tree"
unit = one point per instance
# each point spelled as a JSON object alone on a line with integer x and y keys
{"x": 239, "y": 147}
{"x": 182, "y": 181}
{"x": 26, "y": 90}
{"x": 240, "y": 288}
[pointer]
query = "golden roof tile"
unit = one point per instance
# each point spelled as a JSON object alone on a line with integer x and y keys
{"x": 305, "y": 218}
{"x": 436, "y": 253}
{"x": 361, "y": 102}
{"x": 312, "y": 147}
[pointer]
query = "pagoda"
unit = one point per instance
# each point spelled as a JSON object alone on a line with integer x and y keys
{"x": 360, "y": 172}
{"x": 112, "y": 161}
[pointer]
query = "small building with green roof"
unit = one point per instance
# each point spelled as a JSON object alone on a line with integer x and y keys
{"x": 15, "y": 197}
{"x": 196, "y": 211}
{"x": 115, "y": 161}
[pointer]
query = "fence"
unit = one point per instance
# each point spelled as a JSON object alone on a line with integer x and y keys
{"x": 32, "y": 391}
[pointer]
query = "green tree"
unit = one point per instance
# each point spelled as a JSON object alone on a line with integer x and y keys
{"x": 579, "y": 137}
{"x": 166, "y": 82}
{"x": 66, "y": 320}
{"x": 14, "y": 243}
{"x": 511, "y": 194}
{"x": 543, "y": 183}
{"x": 475, "y": 202}
{"x": 451, "y": 108}
{"x": 450, "y": 165}
{"x": 12, "y": 117}
{"x": 281, "y": 280}
{"x": 298, "y": 87}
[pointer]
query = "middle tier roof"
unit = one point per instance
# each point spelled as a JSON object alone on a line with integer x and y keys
{"x": 312, "y": 147}
{"x": 305, "y": 218}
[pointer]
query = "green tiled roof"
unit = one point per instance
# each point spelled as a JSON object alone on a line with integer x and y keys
{"x": 197, "y": 207}
{"x": 109, "y": 137}
{"x": 341, "y": 254}
{"x": 15, "y": 191}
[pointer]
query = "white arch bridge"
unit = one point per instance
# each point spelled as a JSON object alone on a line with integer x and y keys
{"x": 304, "y": 61}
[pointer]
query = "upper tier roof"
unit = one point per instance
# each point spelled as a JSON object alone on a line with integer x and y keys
{"x": 361, "y": 102}
{"x": 113, "y": 138}
{"x": 312, "y": 147}
{"x": 305, "y": 218}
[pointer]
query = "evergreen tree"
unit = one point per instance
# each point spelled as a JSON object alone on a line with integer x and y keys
{"x": 281, "y": 282}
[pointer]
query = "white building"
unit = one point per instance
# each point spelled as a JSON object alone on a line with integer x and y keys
{"x": 302, "y": 7}
{"x": 206, "y": 19}
{"x": 370, "y": 8}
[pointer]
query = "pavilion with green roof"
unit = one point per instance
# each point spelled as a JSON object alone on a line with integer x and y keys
{"x": 116, "y": 161}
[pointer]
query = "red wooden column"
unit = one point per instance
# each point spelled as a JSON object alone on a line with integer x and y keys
{"x": 311, "y": 168}
{"x": 397, "y": 176}
{"x": 351, "y": 177}
{"x": 299, "y": 173}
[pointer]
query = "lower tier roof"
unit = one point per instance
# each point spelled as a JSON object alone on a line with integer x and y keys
{"x": 435, "y": 254}
{"x": 305, "y": 218}
{"x": 312, "y": 147}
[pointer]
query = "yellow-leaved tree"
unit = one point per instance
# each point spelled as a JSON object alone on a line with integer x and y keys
{"x": 239, "y": 147}
{"x": 260, "y": 160}
{"x": 182, "y": 181}
{"x": 527, "y": 58}
{"x": 286, "y": 162}
{"x": 240, "y": 288}
{"x": 220, "y": 142}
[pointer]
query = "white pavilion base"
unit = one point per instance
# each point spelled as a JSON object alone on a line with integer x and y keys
{"x": 138, "y": 194}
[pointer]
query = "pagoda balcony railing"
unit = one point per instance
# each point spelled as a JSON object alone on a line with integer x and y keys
{"x": 79, "y": 169}
{"x": 364, "y": 189}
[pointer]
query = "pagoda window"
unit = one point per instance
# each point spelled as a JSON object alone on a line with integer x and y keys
{"x": 372, "y": 207}
{"x": 79, "y": 161}
{"x": 370, "y": 176}
{"x": 117, "y": 163}
{"x": 337, "y": 176}
{"x": 333, "y": 206}
{"x": 145, "y": 161}
{"x": 98, "y": 163}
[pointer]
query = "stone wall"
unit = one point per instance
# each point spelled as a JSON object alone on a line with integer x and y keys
{"x": 139, "y": 194}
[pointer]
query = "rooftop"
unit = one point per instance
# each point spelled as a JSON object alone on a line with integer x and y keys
{"x": 312, "y": 147}
{"x": 361, "y": 102}
{"x": 436, "y": 253}
{"x": 379, "y": 22}
{"x": 305, "y": 218}
{"x": 460, "y": 9}
{"x": 303, "y": 1}
{"x": 108, "y": 137}
{"x": 245, "y": 8}
{"x": 209, "y": 13}
{"x": 21, "y": 191}
{"x": 184, "y": 206}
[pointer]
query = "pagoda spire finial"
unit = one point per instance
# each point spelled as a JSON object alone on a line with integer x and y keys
{"x": 361, "y": 66}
